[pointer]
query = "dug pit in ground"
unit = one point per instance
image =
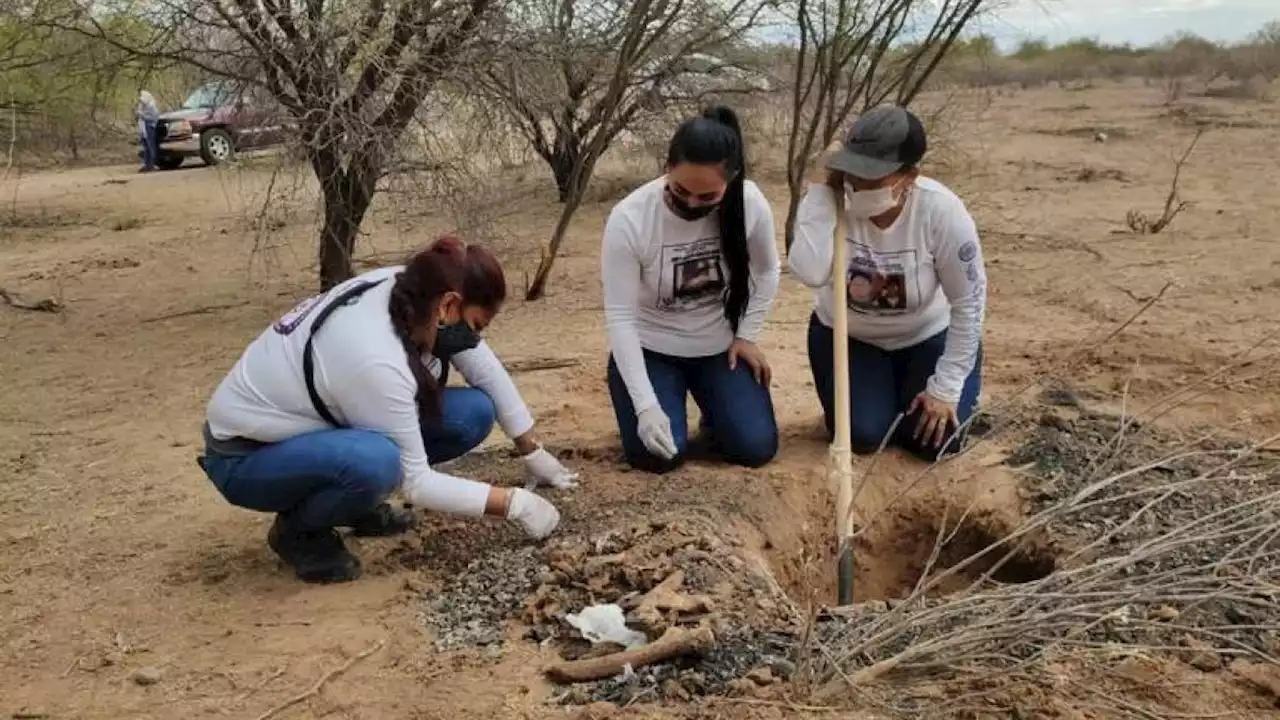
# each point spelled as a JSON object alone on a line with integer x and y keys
{"x": 912, "y": 520}
{"x": 709, "y": 606}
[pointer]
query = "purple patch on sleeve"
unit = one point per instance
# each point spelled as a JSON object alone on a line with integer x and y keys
{"x": 292, "y": 319}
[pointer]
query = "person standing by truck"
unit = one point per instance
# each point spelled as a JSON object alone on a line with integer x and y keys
{"x": 148, "y": 115}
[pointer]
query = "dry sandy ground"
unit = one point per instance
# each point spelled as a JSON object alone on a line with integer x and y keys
{"x": 117, "y": 554}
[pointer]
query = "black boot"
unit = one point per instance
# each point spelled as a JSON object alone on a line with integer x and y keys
{"x": 384, "y": 521}
{"x": 317, "y": 556}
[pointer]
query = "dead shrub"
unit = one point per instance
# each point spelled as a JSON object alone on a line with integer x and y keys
{"x": 1173, "y": 204}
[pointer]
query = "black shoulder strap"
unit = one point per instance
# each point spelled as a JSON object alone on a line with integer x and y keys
{"x": 308, "y": 362}
{"x": 444, "y": 372}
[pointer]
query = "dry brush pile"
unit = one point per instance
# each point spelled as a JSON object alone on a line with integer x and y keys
{"x": 1165, "y": 546}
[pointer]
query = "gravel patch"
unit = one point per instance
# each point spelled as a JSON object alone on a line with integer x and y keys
{"x": 472, "y": 611}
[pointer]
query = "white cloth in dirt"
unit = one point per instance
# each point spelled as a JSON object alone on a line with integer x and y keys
{"x": 920, "y": 276}
{"x": 664, "y": 282}
{"x": 363, "y": 376}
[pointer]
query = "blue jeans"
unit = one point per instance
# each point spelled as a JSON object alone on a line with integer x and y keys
{"x": 331, "y": 478}
{"x": 737, "y": 412}
{"x": 882, "y": 384}
{"x": 150, "y": 152}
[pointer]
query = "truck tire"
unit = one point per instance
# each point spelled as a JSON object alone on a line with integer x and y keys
{"x": 169, "y": 162}
{"x": 216, "y": 146}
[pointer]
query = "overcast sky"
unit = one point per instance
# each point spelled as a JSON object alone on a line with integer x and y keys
{"x": 1139, "y": 22}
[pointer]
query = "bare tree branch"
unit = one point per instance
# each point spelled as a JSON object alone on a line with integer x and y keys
{"x": 851, "y": 57}
{"x": 352, "y": 82}
{"x": 573, "y": 75}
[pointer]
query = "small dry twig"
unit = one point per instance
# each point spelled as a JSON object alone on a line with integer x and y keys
{"x": 536, "y": 364}
{"x": 1173, "y": 204}
{"x": 315, "y": 689}
{"x": 204, "y": 310}
{"x": 270, "y": 679}
{"x": 794, "y": 707}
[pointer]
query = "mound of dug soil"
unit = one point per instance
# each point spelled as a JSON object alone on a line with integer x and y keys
{"x": 675, "y": 573}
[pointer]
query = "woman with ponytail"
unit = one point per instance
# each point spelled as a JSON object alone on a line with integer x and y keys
{"x": 342, "y": 401}
{"x": 690, "y": 270}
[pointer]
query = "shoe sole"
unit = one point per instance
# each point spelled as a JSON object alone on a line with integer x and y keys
{"x": 355, "y": 574}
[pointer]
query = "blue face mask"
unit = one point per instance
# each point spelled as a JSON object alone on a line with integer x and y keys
{"x": 454, "y": 338}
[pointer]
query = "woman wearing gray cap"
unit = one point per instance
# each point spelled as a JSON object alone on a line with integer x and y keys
{"x": 916, "y": 289}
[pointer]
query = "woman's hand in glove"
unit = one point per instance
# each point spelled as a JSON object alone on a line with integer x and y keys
{"x": 654, "y": 429}
{"x": 543, "y": 467}
{"x": 535, "y": 514}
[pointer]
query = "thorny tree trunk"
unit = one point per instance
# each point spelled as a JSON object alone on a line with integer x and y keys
{"x": 793, "y": 204}
{"x": 347, "y": 196}
{"x": 574, "y": 190}
{"x": 566, "y": 156}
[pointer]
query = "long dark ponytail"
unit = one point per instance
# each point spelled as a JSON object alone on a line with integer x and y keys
{"x": 714, "y": 138}
{"x": 447, "y": 265}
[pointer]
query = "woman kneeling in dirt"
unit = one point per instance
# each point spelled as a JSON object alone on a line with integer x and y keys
{"x": 320, "y": 425}
{"x": 916, "y": 289}
{"x": 690, "y": 270}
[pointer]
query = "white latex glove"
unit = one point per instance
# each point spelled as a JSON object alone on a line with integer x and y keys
{"x": 655, "y": 432}
{"x": 545, "y": 469}
{"x": 537, "y": 516}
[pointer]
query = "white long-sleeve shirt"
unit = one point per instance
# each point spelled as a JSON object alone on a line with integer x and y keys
{"x": 363, "y": 376}
{"x": 922, "y": 275}
{"x": 664, "y": 281}
{"x": 146, "y": 109}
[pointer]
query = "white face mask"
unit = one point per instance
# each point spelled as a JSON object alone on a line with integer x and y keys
{"x": 866, "y": 204}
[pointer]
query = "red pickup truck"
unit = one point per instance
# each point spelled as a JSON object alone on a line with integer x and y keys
{"x": 217, "y": 121}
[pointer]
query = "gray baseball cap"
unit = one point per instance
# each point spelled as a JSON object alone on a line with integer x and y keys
{"x": 882, "y": 141}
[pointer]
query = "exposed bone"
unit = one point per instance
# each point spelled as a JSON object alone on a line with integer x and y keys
{"x": 675, "y": 642}
{"x": 666, "y": 598}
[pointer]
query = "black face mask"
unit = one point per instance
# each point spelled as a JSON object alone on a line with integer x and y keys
{"x": 454, "y": 338}
{"x": 685, "y": 211}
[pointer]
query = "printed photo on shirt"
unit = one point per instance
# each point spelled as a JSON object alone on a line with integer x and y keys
{"x": 292, "y": 319}
{"x": 880, "y": 282}
{"x": 693, "y": 275}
